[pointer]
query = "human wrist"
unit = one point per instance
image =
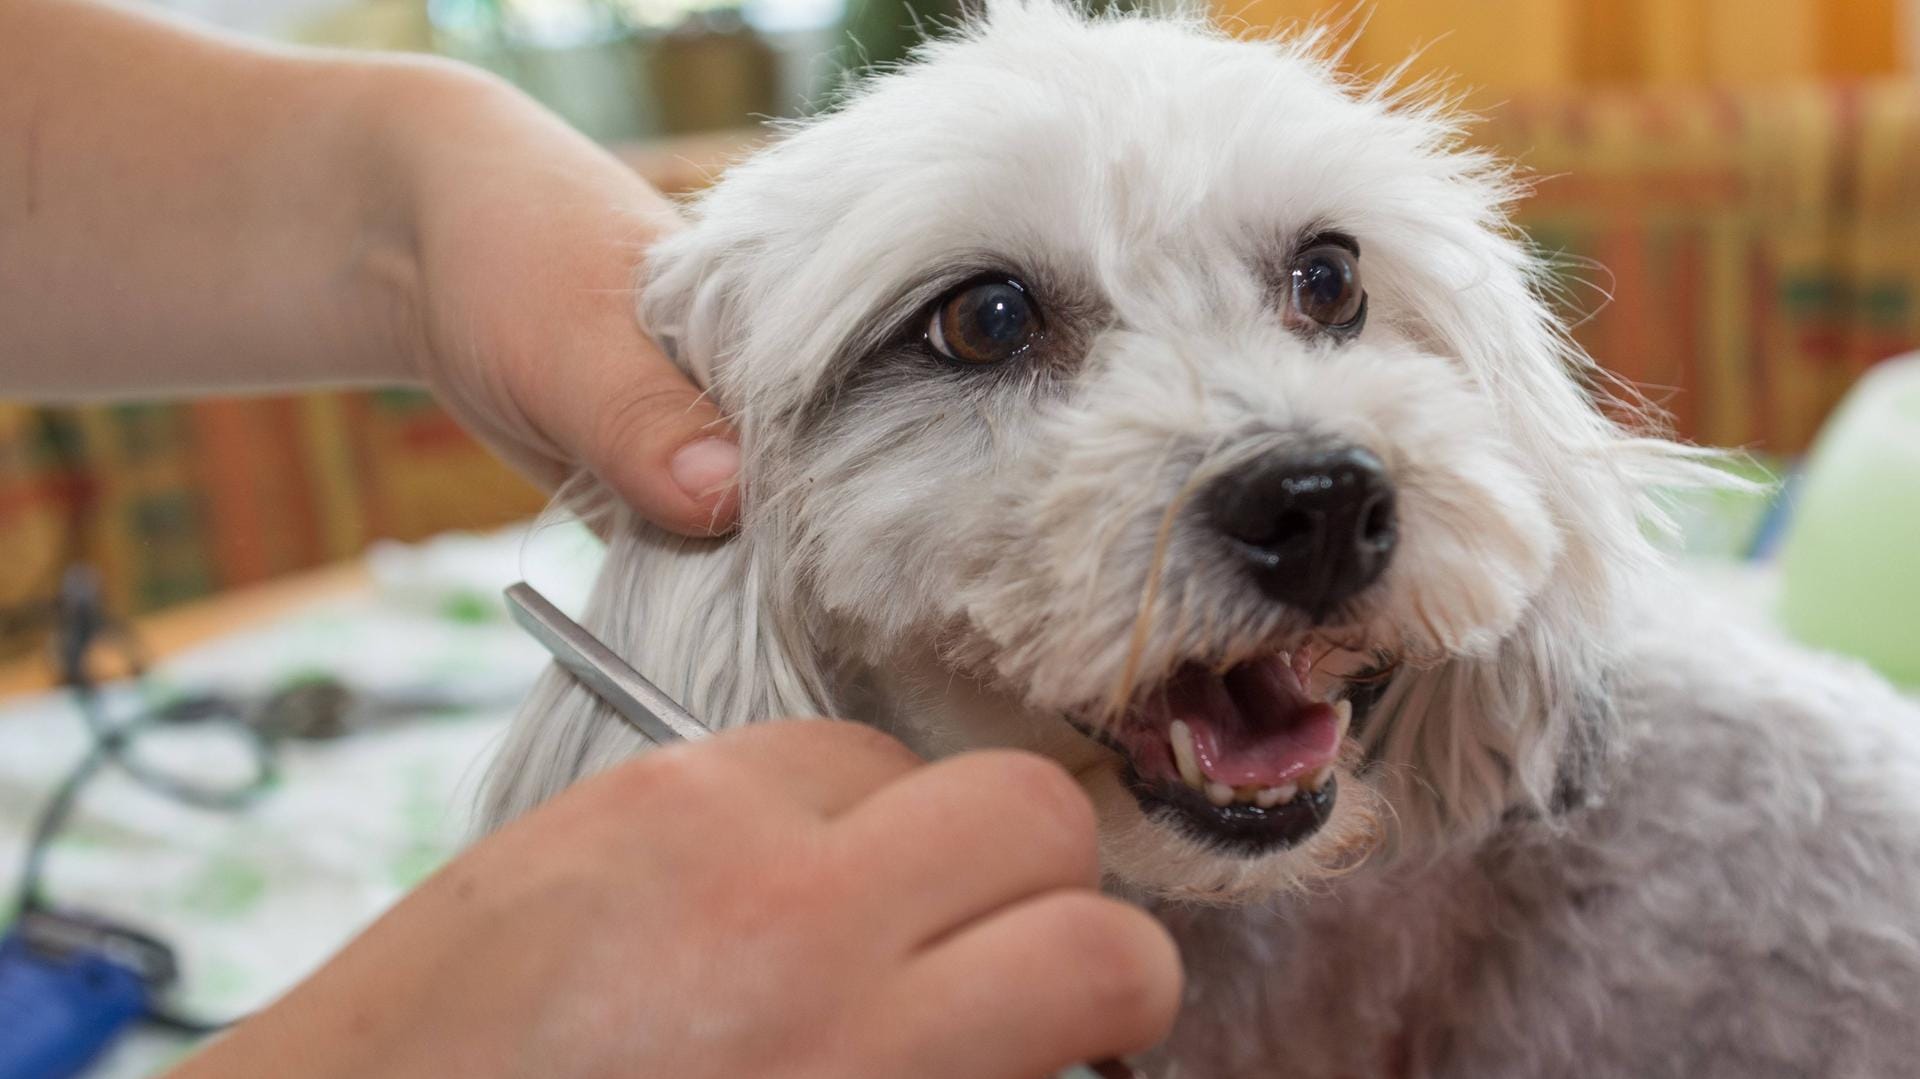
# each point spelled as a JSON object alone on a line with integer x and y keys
{"x": 402, "y": 146}
{"x": 403, "y": 117}
{"x": 451, "y": 144}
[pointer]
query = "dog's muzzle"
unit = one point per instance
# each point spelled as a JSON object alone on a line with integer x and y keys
{"x": 1241, "y": 759}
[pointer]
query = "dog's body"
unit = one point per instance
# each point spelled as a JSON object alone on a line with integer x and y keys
{"x": 1072, "y": 422}
{"x": 1732, "y": 898}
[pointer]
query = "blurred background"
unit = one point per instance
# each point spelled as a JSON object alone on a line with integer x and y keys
{"x": 1743, "y": 180}
{"x": 1730, "y": 191}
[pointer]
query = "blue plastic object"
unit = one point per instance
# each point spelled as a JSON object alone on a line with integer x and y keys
{"x": 64, "y": 998}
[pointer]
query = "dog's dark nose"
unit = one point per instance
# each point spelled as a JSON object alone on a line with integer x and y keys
{"x": 1313, "y": 528}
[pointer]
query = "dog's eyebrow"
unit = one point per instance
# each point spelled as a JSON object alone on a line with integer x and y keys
{"x": 1336, "y": 237}
{"x": 890, "y": 324}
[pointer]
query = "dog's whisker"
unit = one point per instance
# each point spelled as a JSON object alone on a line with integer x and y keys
{"x": 1118, "y": 524}
{"x": 1142, "y": 623}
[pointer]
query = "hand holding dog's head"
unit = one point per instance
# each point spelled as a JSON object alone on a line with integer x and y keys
{"x": 1140, "y": 395}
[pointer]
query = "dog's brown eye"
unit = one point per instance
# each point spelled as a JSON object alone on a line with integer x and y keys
{"x": 1326, "y": 287}
{"x": 985, "y": 321}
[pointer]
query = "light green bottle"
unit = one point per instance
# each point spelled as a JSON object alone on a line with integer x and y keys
{"x": 1852, "y": 564}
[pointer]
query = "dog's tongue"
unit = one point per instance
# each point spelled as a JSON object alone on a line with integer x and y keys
{"x": 1254, "y": 725}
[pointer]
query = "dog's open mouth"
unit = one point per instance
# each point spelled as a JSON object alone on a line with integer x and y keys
{"x": 1242, "y": 759}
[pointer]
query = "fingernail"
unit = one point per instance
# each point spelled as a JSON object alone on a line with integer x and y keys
{"x": 705, "y": 468}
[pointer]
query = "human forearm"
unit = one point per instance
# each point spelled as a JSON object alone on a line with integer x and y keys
{"x": 182, "y": 212}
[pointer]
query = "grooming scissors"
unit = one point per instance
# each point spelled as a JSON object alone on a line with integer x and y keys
{"x": 645, "y": 706}
{"x": 648, "y": 709}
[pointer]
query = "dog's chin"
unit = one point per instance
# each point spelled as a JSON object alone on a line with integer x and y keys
{"x": 1240, "y": 760}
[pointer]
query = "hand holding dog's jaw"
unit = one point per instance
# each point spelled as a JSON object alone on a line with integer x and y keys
{"x": 804, "y": 899}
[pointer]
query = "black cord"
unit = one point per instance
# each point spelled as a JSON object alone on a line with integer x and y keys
{"x": 111, "y": 745}
{"x": 83, "y": 623}
{"x": 51, "y": 820}
{"x": 77, "y": 613}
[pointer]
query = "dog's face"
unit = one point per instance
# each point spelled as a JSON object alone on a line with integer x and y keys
{"x": 1150, "y": 399}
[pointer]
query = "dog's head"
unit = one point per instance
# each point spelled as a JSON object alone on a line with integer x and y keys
{"x": 1162, "y": 402}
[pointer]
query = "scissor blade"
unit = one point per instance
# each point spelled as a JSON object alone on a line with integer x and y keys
{"x": 641, "y": 703}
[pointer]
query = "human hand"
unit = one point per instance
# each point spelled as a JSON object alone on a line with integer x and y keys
{"x": 210, "y": 216}
{"x": 798, "y": 899}
{"x": 526, "y": 239}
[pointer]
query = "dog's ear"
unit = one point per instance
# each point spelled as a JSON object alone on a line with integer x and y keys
{"x": 686, "y": 292}
{"x": 1522, "y": 729}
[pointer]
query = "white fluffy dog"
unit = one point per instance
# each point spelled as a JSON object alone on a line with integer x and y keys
{"x": 1168, "y": 405}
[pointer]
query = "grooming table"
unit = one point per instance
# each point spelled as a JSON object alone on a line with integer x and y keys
{"x": 255, "y": 901}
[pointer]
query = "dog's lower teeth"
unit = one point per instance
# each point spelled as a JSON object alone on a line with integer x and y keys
{"x": 1343, "y": 715}
{"x": 1268, "y": 797}
{"x": 1180, "y": 740}
{"x": 1181, "y": 737}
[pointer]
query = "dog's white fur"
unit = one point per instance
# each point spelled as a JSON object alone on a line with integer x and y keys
{"x": 1586, "y": 829}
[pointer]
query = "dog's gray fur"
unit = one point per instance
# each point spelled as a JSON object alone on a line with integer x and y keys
{"x": 1589, "y": 827}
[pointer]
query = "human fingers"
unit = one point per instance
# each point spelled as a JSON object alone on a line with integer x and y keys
{"x": 817, "y": 766}
{"x": 608, "y": 396}
{"x": 530, "y": 240}
{"x": 652, "y": 436}
{"x": 1066, "y": 977}
{"x": 965, "y": 836}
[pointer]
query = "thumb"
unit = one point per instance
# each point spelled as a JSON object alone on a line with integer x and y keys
{"x": 659, "y": 442}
